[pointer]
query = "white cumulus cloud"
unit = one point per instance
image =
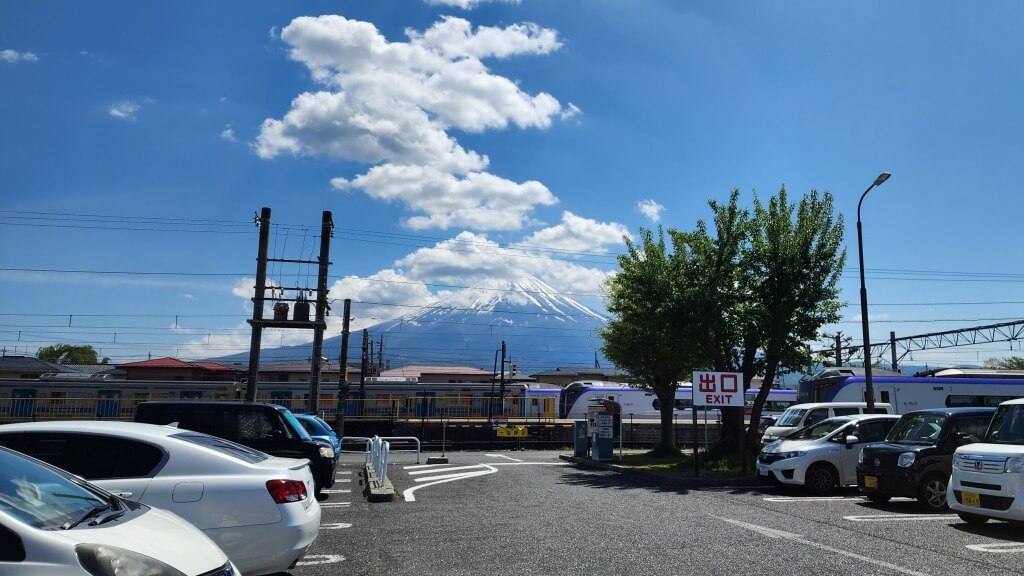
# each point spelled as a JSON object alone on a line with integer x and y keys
{"x": 392, "y": 105}
{"x": 651, "y": 209}
{"x": 576, "y": 233}
{"x": 125, "y": 110}
{"x": 466, "y": 4}
{"x": 228, "y": 134}
{"x": 13, "y": 56}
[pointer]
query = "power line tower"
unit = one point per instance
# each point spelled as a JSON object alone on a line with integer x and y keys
{"x": 300, "y": 318}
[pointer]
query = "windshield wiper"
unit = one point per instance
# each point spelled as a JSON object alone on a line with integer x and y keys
{"x": 115, "y": 511}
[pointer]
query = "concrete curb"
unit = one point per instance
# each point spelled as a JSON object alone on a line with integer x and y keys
{"x": 377, "y": 491}
{"x": 675, "y": 481}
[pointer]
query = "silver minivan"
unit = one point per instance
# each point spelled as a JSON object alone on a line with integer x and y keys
{"x": 799, "y": 415}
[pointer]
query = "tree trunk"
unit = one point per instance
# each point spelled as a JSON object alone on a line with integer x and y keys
{"x": 762, "y": 395}
{"x": 666, "y": 406}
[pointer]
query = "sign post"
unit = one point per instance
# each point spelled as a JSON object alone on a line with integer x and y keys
{"x": 714, "y": 390}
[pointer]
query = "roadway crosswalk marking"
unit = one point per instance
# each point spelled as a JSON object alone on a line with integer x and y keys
{"x": 900, "y": 517}
{"x": 998, "y": 548}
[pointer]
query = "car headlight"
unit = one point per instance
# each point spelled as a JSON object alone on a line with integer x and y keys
{"x": 860, "y": 457}
{"x": 102, "y": 560}
{"x": 787, "y": 455}
{"x": 906, "y": 459}
{"x": 326, "y": 452}
{"x": 1015, "y": 464}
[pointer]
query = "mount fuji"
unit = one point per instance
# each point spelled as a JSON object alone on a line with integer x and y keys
{"x": 541, "y": 328}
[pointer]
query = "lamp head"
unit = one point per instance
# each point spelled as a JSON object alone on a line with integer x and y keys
{"x": 882, "y": 178}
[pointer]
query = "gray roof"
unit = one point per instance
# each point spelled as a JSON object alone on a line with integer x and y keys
{"x": 29, "y": 363}
{"x": 95, "y": 368}
{"x": 577, "y": 371}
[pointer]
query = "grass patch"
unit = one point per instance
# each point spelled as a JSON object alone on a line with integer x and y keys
{"x": 713, "y": 464}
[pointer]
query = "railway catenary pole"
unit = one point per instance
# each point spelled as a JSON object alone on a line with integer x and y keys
{"x": 343, "y": 385}
{"x": 501, "y": 394}
{"x": 362, "y": 375}
{"x": 257, "y": 308}
{"x": 490, "y": 399}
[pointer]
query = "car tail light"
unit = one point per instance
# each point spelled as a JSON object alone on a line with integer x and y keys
{"x": 285, "y": 491}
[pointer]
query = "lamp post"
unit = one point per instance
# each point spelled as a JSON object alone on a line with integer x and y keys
{"x": 864, "y": 299}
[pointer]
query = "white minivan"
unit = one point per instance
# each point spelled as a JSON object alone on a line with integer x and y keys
{"x": 988, "y": 476}
{"x": 799, "y": 415}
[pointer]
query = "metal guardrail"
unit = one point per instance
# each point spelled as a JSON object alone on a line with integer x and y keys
{"x": 389, "y": 439}
{"x": 379, "y": 450}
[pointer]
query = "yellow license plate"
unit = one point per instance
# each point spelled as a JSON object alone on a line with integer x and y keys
{"x": 870, "y": 482}
{"x": 970, "y": 499}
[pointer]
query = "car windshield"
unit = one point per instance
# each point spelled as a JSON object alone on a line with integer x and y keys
{"x": 40, "y": 497}
{"x": 314, "y": 427}
{"x": 326, "y": 426}
{"x": 917, "y": 429}
{"x": 819, "y": 430}
{"x": 791, "y": 417}
{"x": 223, "y": 446}
{"x": 294, "y": 423}
{"x": 1007, "y": 425}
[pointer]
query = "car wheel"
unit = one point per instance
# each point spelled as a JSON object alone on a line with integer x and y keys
{"x": 878, "y": 498}
{"x": 820, "y": 479}
{"x": 932, "y": 493}
{"x": 972, "y": 518}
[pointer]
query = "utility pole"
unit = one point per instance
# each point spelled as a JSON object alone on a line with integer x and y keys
{"x": 343, "y": 385}
{"x": 362, "y": 374}
{"x": 257, "y": 308}
{"x": 501, "y": 395}
{"x": 839, "y": 348}
{"x": 326, "y": 232}
{"x": 380, "y": 355}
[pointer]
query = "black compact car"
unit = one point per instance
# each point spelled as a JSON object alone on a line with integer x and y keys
{"x": 265, "y": 427}
{"x": 916, "y": 458}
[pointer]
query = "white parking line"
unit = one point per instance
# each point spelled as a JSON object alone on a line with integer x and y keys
{"x": 810, "y": 498}
{"x": 345, "y": 472}
{"x": 335, "y": 526}
{"x": 335, "y": 504}
{"x": 900, "y": 517}
{"x": 473, "y": 467}
{"x": 999, "y": 548}
{"x": 408, "y": 494}
{"x": 503, "y": 456}
{"x": 337, "y": 491}
{"x": 342, "y": 479}
{"x": 773, "y": 533}
{"x": 317, "y": 559}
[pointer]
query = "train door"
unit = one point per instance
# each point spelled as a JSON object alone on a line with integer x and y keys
{"x": 515, "y": 408}
{"x": 23, "y": 402}
{"x": 549, "y": 407}
{"x": 108, "y": 403}
{"x": 424, "y": 407}
{"x": 190, "y": 394}
{"x": 886, "y": 394}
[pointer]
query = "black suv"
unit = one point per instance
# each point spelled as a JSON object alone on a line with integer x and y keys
{"x": 265, "y": 427}
{"x": 916, "y": 458}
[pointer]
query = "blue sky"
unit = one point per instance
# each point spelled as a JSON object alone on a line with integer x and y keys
{"x": 142, "y": 137}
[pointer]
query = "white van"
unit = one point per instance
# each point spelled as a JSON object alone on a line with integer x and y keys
{"x": 988, "y": 476}
{"x": 800, "y": 415}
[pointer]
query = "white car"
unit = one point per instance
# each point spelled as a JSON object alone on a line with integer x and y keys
{"x": 53, "y": 523}
{"x": 988, "y": 476}
{"x": 823, "y": 456}
{"x": 259, "y": 509}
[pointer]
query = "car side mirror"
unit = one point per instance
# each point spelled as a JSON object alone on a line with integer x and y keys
{"x": 850, "y": 441}
{"x": 963, "y": 438}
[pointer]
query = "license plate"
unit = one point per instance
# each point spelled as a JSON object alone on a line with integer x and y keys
{"x": 870, "y": 482}
{"x": 970, "y": 499}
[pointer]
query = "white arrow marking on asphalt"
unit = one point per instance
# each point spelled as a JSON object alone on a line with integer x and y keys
{"x": 900, "y": 517}
{"x": 335, "y": 526}
{"x": 1000, "y": 548}
{"x": 480, "y": 471}
{"x": 773, "y": 533}
{"x": 423, "y": 466}
{"x": 503, "y": 456}
{"x": 408, "y": 494}
{"x": 473, "y": 467}
{"x": 317, "y": 559}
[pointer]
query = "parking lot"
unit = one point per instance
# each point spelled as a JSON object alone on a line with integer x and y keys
{"x": 528, "y": 513}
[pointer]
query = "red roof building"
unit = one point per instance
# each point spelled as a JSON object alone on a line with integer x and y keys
{"x": 179, "y": 370}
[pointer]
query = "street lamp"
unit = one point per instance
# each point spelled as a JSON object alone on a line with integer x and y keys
{"x": 864, "y": 299}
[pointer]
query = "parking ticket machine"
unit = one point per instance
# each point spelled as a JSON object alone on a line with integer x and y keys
{"x": 601, "y": 425}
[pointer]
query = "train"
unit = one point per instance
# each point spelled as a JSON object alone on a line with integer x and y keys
{"x": 85, "y": 397}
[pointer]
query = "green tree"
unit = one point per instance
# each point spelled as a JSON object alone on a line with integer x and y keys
{"x": 637, "y": 338}
{"x": 1008, "y": 363}
{"x": 755, "y": 290}
{"x": 69, "y": 354}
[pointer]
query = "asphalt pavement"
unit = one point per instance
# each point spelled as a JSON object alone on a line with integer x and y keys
{"x": 529, "y": 513}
